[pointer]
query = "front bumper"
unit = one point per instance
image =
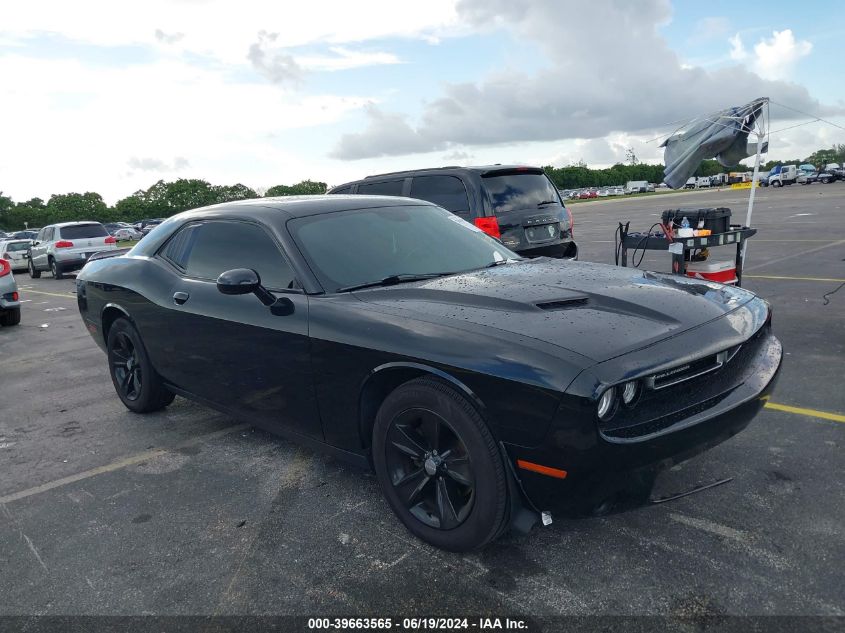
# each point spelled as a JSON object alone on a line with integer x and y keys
{"x": 602, "y": 471}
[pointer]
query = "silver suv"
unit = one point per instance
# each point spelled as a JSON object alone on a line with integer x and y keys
{"x": 61, "y": 248}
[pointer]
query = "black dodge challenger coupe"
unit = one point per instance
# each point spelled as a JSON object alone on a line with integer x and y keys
{"x": 482, "y": 388}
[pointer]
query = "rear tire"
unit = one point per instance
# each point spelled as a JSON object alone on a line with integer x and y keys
{"x": 135, "y": 380}
{"x": 10, "y": 317}
{"x": 35, "y": 274}
{"x": 439, "y": 466}
{"x": 55, "y": 270}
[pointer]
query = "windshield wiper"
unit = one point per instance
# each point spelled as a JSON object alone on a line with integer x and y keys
{"x": 392, "y": 280}
{"x": 540, "y": 204}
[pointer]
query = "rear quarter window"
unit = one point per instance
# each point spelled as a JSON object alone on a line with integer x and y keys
{"x": 384, "y": 188}
{"x": 83, "y": 231}
{"x": 448, "y": 192}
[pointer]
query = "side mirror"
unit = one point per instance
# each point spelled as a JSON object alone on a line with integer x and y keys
{"x": 243, "y": 281}
{"x": 240, "y": 281}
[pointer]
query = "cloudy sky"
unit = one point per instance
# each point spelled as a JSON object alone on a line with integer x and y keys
{"x": 98, "y": 96}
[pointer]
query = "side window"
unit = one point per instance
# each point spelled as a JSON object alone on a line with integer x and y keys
{"x": 48, "y": 234}
{"x": 385, "y": 188}
{"x": 215, "y": 247}
{"x": 179, "y": 246}
{"x": 344, "y": 190}
{"x": 445, "y": 191}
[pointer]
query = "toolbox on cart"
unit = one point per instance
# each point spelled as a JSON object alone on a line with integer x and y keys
{"x": 716, "y": 219}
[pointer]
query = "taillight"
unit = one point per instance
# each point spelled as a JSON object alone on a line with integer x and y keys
{"x": 64, "y": 244}
{"x": 489, "y": 226}
{"x": 110, "y": 240}
{"x": 15, "y": 296}
{"x": 5, "y": 268}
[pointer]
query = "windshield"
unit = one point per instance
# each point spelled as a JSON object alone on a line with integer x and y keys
{"x": 514, "y": 192}
{"x": 349, "y": 248}
{"x": 82, "y": 231}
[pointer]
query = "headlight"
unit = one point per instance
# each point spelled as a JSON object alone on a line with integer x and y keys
{"x": 607, "y": 404}
{"x": 630, "y": 391}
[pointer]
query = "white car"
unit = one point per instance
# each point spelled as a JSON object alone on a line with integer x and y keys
{"x": 127, "y": 233}
{"x": 15, "y": 252}
{"x": 10, "y": 305}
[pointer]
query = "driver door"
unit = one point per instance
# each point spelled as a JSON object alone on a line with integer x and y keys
{"x": 231, "y": 350}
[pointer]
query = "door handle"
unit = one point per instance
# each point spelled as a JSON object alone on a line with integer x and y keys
{"x": 180, "y": 297}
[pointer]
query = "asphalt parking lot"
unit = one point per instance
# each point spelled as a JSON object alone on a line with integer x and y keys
{"x": 189, "y": 512}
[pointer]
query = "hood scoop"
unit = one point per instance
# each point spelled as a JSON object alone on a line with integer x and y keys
{"x": 562, "y": 304}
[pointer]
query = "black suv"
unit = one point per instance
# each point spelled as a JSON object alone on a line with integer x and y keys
{"x": 518, "y": 205}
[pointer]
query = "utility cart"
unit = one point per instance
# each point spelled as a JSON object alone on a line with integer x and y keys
{"x": 682, "y": 248}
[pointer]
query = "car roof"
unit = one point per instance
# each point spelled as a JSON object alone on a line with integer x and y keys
{"x": 63, "y": 224}
{"x": 430, "y": 171}
{"x": 300, "y": 206}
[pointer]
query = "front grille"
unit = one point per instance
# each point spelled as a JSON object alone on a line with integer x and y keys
{"x": 661, "y": 408}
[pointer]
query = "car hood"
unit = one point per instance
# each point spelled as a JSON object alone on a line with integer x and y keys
{"x": 595, "y": 310}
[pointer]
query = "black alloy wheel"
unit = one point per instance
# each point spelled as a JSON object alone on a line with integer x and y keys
{"x": 439, "y": 466}
{"x": 137, "y": 384}
{"x": 430, "y": 469}
{"x": 126, "y": 368}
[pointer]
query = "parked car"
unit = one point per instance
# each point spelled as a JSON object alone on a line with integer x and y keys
{"x": 61, "y": 248}
{"x": 650, "y": 187}
{"x": 145, "y": 226}
{"x": 28, "y": 234}
{"x": 16, "y": 253}
{"x": 636, "y": 186}
{"x": 126, "y": 234}
{"x": 10, "y": 304}
{"x": 516, "y": 204}
{"x": 691, "y": 183}
{"x": 479, "y": 385}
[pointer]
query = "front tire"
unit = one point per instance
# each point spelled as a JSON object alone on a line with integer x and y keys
{"x": 135, "y": 380}
{"x": 35, "y": 274}
{"x": 55, "y": 270}
{"x": 439, "y": 466}
{"x": 10, "y": 317}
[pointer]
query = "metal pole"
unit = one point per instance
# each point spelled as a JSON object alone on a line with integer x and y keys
{"x": 754, "y": 180}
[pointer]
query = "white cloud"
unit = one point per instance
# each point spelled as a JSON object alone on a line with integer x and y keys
{"x": 775, "y": 57}
{"x": 224, "y": 30}
{"x": 627, "y": 78}
{"x": 148, "y": 113}
{"x": 344, "y": 58}
{"x": 738, "y": 52}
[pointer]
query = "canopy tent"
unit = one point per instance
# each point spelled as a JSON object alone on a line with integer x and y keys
{"x": 722, "y": 135}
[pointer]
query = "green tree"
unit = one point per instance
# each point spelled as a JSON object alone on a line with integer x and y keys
{"x": 226, "y": 193}
{"x": 68, "y": 207}
{"x": 131, "y": 208}
{"x": 303, "y": 188}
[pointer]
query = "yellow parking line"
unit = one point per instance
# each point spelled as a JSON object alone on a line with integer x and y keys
{"x": 837, "y": 281}
{"x": 52, "y": 294}
{"x": 813, "y": 413}
{"x": 119, "y": 464}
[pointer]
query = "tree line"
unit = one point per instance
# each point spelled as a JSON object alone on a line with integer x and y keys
{"x": 164, "y": 199}
{"x": 161, "y": 200}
